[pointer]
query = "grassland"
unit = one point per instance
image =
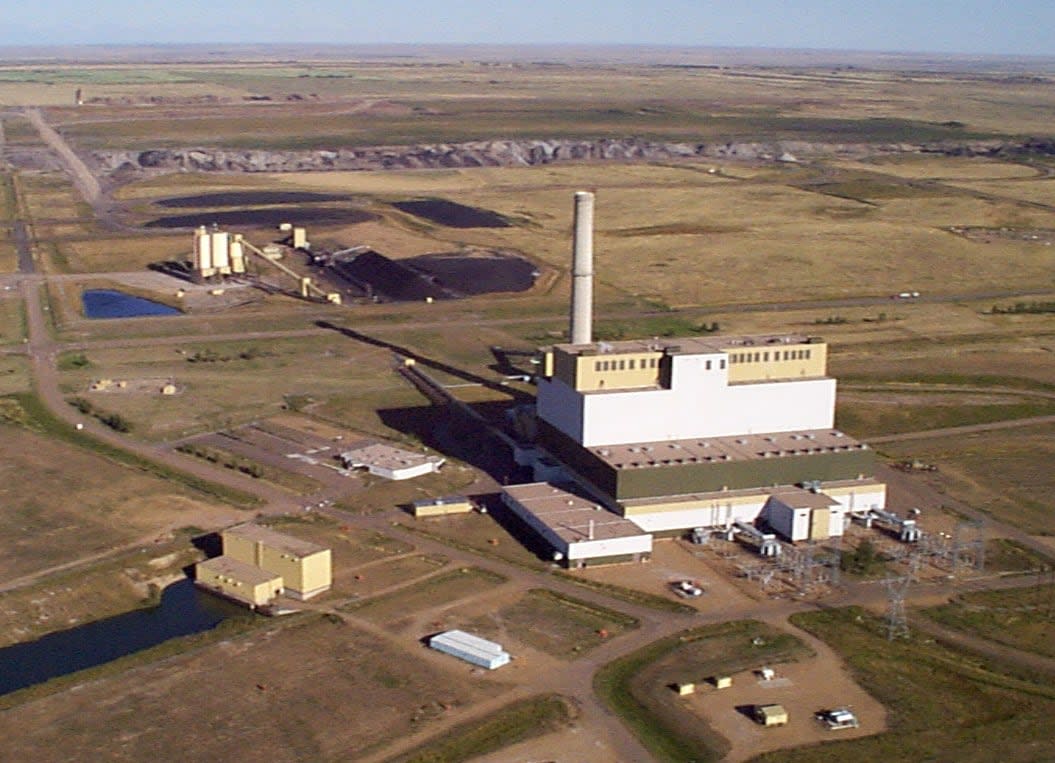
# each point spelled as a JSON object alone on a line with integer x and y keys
{"x": 559, "y": 625}
{"x": 396, "y": 103}
{"x": 636, "y": 686}
{"x": 430, "y": 593}
{"x": 885, "y": 413}
{"x": 92, "y": 590}
{"x": 25, "y": 410}
{"x": 1003, "y": 474}
{"x": 228, "y": 383}
{"x": 1022, "y": 618}
{"x": 966, "y": 707}
{"x": 515, "y": 723}
{"x": 322, "y": 671}
{"x": 63, "y": 503}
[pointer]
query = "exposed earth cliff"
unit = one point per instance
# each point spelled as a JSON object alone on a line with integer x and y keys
{"x": 511, "y": 153}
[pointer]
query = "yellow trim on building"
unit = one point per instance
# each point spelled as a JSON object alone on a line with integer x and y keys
{"x": 765, "y": 362}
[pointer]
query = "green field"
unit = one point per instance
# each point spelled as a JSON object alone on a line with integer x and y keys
{"x": 1023, "y": 618}
{"x": 943, "y": 704}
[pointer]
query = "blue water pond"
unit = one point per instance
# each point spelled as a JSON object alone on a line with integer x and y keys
{"x": 107, "y": 303}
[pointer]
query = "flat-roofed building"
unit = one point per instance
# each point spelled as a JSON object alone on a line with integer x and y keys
{"x": 391, "y": 463}
{"x": 473, "y": 649}
{"x": 677, "y": 467}
{"x": 305, "y": 567}
{"x": 580, "y": 531}
{"x": 703, "y": 431}
{"x": 438, "y": 507}
{"x": 800, "y": 514}
{"x": 237, "y": 580}
{"x": 697, "y": 387}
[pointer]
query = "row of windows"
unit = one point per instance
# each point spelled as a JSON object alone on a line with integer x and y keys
{"x": 763, "y": 356}
{"x": 624, "y": 364}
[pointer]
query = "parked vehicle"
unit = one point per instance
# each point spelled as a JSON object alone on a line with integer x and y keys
{"x": 839, "y": 718}
{"x": 686, "y": 588}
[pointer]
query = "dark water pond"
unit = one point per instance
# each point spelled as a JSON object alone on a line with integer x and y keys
{"x": 107, "y": 303}
{"x": 452, "y": 214}
{"x": 249, "y": 198}
{"x": 183, "y": 610}
{"x": 270, "y": 216}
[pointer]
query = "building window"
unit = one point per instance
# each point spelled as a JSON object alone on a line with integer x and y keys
{"x": 631, "y": 364}
{"x": 765, "y": 356}
{"x": 597, "y": 365}
{"x": 622, "y": 365}
{"x": 721, "y": 364}
{"x": 808, "y": 353}
{"x": 708, "y": 365}
{"x": 758, "y": 357}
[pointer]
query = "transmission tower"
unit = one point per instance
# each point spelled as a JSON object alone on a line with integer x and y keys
{"x": 836, "y": 561}
{"x": 897, "y": 619}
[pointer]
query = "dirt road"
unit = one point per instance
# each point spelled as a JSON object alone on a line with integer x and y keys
{"x": 82, "y": 177}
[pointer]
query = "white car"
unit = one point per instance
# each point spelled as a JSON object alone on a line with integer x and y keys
{"x": 686, "y": 588}
{"x": 840, "y": 718}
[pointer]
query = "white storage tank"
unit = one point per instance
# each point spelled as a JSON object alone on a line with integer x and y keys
{"x": 203, "y": 251}
{"x": 221, "y": 251}
{"x": 472, "y": 649}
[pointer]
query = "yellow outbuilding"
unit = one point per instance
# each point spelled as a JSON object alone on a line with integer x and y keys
{"x": 305, "y": 567}
{"x": 237, "y": 580}
{"x": 437, "y": 507}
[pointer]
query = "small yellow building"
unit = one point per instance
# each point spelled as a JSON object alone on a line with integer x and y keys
{"x": 237, "y": 580}
{"x": 771, "y": 715}
{"x": 305, "y": 567}
{"x": 437, "y": 507}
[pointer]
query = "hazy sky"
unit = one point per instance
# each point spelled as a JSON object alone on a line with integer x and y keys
{"x": 967, "y": 26}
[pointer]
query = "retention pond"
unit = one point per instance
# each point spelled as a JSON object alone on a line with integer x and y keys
{"x": 107, "y": 303}
{"x": 183, "y": 610}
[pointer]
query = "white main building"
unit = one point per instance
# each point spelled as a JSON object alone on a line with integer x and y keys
{"x": 702, "y": 432}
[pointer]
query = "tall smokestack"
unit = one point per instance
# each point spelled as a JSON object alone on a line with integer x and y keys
{"x": 582, "y": 271}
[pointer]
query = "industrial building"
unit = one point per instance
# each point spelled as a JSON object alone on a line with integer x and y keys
{"x": 696, "y": 432}
{"x": 439, "y": 507}
{"x": 304, "y": 567}
{"x": 391, "y": 463}
{"x": 232, "y": 579}
{"x": 473, "y": 649}
{"x": 705, "y": 432}
{"x": 579, "y": 530}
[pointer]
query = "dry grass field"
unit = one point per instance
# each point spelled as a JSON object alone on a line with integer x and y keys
{"x": 683, "y": 237}
{"x": 557, "y": 625}
{"x": 62, "y": 503}
{"x": 380, "y": 102}
{"x": 400, "y": 608}
{"x": 1007, "y": 475}
{"x": 221, "y": 384}
{"x": 95, "y": 591}
{"x": 292, "y": 691}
